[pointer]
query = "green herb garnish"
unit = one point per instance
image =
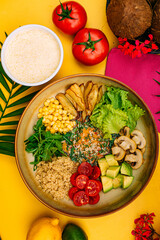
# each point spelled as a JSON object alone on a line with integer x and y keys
{"x": 43, "y": 144}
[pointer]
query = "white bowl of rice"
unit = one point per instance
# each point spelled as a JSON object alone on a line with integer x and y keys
{"x": 32, "y": 55}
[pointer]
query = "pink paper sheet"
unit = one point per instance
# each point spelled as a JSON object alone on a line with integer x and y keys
{"x": 138, "y": 73}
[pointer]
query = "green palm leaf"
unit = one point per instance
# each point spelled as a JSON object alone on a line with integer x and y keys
{"x": 20, "y": 90}
{"x": 14, "y": 90}
{"x": 7, "y": 138}
{"x": 7, "y": 149}
{"x": 156, "y": 81}
{"x": 8, "y": 131}
{"x": 3, "y": 96}
{"x": 15, "y": 85}
{"x": 1, "y": 109}
{"x": 22, "y": 100}
{"x": 14, "y": 113}
{"x": 4, "y": 74}
{"x": 4, "y": 83}
{"x": 9, "y": 123}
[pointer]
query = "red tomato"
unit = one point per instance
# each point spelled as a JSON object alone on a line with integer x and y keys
{"x": 70, "y": 17}
{"x": 85, "y": 169}
{"x": 92, "y": 188}
{"x": 73, "y": 179}
{"x": 100, "y": 185}
{"x": 90, "y": 46}
{"x": 80, "y": 198}
{"x": 96, "y": 172}
{"x": 94, "y": 200}
{"x": 72, "y": 191}
{"x": 81, "y": 181}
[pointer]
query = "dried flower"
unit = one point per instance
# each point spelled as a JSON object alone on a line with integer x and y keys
{"x": 138, "y": 48}
{"x": 144, "y": 229}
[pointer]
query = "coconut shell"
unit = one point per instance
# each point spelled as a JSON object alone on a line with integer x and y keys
{"x": 152, "y": 2}
{"x": 129, "y": 18}
{"x": 155, "y": 28}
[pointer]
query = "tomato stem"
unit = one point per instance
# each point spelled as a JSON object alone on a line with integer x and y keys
{"x": 65, "y": 12}
{"x": 89, "y": 44}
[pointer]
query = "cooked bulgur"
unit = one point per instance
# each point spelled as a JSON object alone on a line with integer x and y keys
{"x": 54, "y": 177}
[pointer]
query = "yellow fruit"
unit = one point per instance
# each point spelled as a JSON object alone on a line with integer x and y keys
{"x": 45, "y": 229}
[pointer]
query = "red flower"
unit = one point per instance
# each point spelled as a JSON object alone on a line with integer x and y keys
{"x": 139, "y": 48}
{"x": 144, "y": 229}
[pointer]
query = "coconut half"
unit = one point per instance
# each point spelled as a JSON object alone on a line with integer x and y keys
{"x": 129, "y": 19}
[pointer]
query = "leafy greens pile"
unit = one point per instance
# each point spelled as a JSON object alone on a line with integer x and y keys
{"x": 43, "y": 144}
{"x": 114, "y": 111}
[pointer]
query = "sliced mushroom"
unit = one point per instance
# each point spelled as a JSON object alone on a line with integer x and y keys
{"x": 118, "y": 153}
{"x": 125, "y": 131}
{"x": 139, "y": 139}
{"x": 143, "y": 150}
{"x": 135, "y": 159}
{"x": 126, "y": 143}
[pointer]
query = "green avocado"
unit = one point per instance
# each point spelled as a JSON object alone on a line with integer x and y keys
{"x": 113, "y": 171}
{"x": 73, "y": 232}
{"x": 106, "y": 183}
{"x": 111, "y": 161}
{"x": 103, "y": 165}
{"x": 126, "y": 169}
{"x": 117, "y": 182}
{"x": 127, "y": 180}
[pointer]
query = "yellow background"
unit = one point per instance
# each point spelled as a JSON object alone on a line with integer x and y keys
{"x": 18, "y": 207}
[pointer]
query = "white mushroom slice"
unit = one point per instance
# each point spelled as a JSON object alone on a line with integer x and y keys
{"x": 126, "y": 131}
{"x": 118, "y": 153}
{"x": 139, "y": 139}
{"x": 143, "y": 150}
{"x": 127, "y": 144}
{"x": 136, "y": 158}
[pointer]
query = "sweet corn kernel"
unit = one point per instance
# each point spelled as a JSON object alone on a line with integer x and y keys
{"x": 52, "y": 131}
{"x": 59, "y": 117}
{"x": 70, "y": 117}
{"x": 52, "y": 100}
{"x": 46, "y": 103}
{"x": 40, "y": 115}
{"x": 54, "y": 118}
{"x": 56, "y": 102}
{"x": 64, "y": 112}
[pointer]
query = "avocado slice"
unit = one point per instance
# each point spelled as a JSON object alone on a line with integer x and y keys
{"x": 111, "y": 161}
{"x": 107, "y": 183}
{"x": 127, "y": 180}
{"x": 103, "y": 165}
{"x": 112, "y": 171}
{"x": 117, "y": 182}
{"x": 126, "y": 169}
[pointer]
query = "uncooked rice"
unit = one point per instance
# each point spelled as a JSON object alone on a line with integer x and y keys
{"x": 54, "y": 177}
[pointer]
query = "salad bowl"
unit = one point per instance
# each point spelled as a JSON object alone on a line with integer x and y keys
{"x": 111, "y": 201}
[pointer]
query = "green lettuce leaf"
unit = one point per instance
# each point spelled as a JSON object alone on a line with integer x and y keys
{"x": 114, "y": 111}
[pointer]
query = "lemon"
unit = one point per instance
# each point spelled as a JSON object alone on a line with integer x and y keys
{"x": 45, "y": 229}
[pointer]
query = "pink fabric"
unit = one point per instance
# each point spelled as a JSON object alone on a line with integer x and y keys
{"x": 138, "y": 73}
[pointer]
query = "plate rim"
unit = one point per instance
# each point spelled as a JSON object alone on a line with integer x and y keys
{"x": 101, "y": 214}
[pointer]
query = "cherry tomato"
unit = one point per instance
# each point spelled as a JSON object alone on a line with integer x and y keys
{"x": 90, "y": 46}
{"x": 70, "y": 17}
{"x": 92, "y": 188}
{"x": 85, "y": 169}
{"x": 100, "y": 185}
{"x": 72, "y": 191}
{"x": 81, "y": 181}
{"x": 94, "y": 200}
{"x": 73, "y": 179}
{"x": 80, "y": 198}
{"x": 96, "y": 172}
